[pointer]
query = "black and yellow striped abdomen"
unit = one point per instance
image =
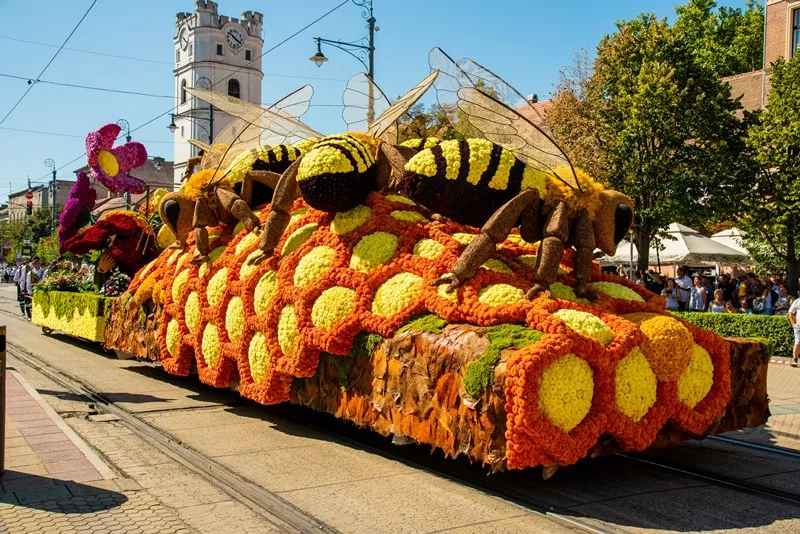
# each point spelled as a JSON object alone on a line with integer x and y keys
{"x": 338, "y": 173}
{"x": 468, "y": 180}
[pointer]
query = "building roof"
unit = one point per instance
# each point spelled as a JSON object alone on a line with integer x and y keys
{"x": 536, "y": 112}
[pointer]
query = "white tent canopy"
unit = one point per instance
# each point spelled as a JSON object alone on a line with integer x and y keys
{"x": 732, "y": 237}
{"x": 688, "y": 247}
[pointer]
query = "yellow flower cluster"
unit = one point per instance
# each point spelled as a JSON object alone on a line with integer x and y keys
{"x": 565, "y": 292}
{"x": 298, "y": 237}
{"x": 566, "y": 391}
{"x": 325, "y": 160}
{"x": 177, "y": 285}
{"x": 586, "y": 324}
{"x": 499, "y": 294}
{"x": 258, "y": 357}
{"x": 617, "y": 291}
{"x": 287, "y": 330}
{"x": 373, "y": 250}
{"x": 464, "y": 239}
{"x": 422, "y": 163}
{"x": 83, "y": 324}
{"x": 668, "y": 346}
{"x": 401, "y": 199}
{"x": 347, "y": 221}
{"x": 396, "y": 293}
{"x": 248, "y": 268}
{"x": 265, "y": 290}
{"x": 313, "y": 265}
{"x": 234, "y": 318}
{"x": 243, "y": 163}
{"x": 428, "y": 248}
{"x": 696, "y": 381}
{"x": 216, "y": 286}
{"x": 333, "y": 305}
{"x": 192, "y": 311}
{"x": 500, "y": 179}
{"x": 173, "y": 337}
{"x": 497, "y": 266}
{"x": 304, "y": 145}
{"x": 636, "y": 385}
{"x": 247, "y": 241}
{"x": 210, "y": 345}
{"x": 408, "y": 216}
{"x": 421, "y": 144}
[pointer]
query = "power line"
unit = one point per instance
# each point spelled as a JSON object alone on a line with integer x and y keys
{"x": 68, "y": 135}
{"x": 88, "y": 87}
{"x": 28, "y": 90}
{"x": 85, "y": 51}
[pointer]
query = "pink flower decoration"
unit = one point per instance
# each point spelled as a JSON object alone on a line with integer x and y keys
{"x": 78, "y": 209}
{"x": 110, "y": 165}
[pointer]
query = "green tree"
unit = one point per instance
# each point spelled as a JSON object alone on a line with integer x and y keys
{"x": 655, "y": 123}
{"x": 419, "y": 122}
{"x": 771, "y": 204}
{"x": 727, "y": 40}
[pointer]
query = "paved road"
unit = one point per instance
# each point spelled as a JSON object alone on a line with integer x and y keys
{"x": 350, "y": 487}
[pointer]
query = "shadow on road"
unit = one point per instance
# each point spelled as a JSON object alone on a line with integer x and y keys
{"x": 56, "y": 495}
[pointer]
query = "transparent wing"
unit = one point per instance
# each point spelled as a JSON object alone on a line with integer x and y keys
{"x": 237, "y": 136}
{"x": 472, "y": 99}
{"x": 388, "y": 118}
{"x": 294, "y": 105}
{"x": 358, "y": 114}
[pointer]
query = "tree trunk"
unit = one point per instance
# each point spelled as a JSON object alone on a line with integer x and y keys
{"x": 643, "y": 235}
{"x": 791, "y": 260}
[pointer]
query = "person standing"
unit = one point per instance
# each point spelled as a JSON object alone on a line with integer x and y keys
{"x": 20, "y": 276}
{"x": 684, "y": 285}
{"x": 792, "y": 315}
{"x": 33, "y": 277}
{"x": 698, "y": 295}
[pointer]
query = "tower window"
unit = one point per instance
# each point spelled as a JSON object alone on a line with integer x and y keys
{"x": 795, "y": 32}
{"x": 219, "y": 49}
{"x": 183, "y": 92}
{"x": 177, "y": 56}
{"x": 247, "y": 55}
{"x": 233, "y": 88}
{"x": 190, "y": 50}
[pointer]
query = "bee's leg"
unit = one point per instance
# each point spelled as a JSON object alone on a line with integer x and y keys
{"x": 286, "y": 191}
{"x": 556, "y": 233}
{"x": 203, "y": 217}
{"x": 176, "y": 212}
{"x": 391, "y": 162}
{"x": 237, "y": 207}
{"x": 191, "y": 163}
{"x": 258, "y": 187}
{"x": 481, "y": 248}
{"x": 583, "y": 241}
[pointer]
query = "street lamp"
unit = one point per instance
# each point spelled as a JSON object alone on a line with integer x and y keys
{"x": 362, "y": 51}
{"x": 126, "y": 127}
{"x": 49, "y": 163}
{"x": 202, "y": 83}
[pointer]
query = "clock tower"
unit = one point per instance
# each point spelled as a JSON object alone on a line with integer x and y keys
{"x": 216, "y": 52}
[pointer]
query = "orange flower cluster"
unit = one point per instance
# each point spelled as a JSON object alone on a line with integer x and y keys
{"x": 370, "y": 269}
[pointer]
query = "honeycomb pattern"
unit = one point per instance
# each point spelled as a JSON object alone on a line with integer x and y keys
{"x": 602, "y": 367}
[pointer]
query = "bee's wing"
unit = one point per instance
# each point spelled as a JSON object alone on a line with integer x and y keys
{"x": 357, "y": 112}
{"x": 292, "y": 107}
{"x": 467, "y": 98}
{"x": 389, "y": 117}
{"x": 237, "y": 136}
{"x": 199, "y": 144}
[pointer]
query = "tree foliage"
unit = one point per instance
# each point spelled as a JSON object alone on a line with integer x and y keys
{"x": 652, "y": 121}
{"x": 770, "y": 206}
{"x": 727, "y": 40}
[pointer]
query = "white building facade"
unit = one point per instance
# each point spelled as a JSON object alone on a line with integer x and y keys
{"x": 217, "y": 52}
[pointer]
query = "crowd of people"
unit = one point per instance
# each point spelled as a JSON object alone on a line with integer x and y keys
{"x": 25, "y": 275}
{"x": 747, "y": 294}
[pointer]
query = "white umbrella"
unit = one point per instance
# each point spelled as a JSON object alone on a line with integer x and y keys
{"x": 732, "y": 237}
{"x": 623, "y": 255}
{"x": 690, "y": 247}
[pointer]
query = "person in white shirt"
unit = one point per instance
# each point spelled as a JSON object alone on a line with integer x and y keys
{"x": 684, "y": 285}
{"x": 20, "y": 275}
{"x": 792, "y": 315}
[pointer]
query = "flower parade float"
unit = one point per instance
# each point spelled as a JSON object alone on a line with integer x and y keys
{"x": 343, "y": 318}
{"x": 124, "y": 239}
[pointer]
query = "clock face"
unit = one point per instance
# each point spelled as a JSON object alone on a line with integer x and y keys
{"x": 235, "y": 38}
{"x": 183, "y": 39}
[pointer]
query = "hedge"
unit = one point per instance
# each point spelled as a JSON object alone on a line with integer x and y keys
{"x": 774, "y": 328}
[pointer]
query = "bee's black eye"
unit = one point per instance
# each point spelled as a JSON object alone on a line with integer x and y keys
{"x": 173, "y": 212}
{"x": 623, "y": 217}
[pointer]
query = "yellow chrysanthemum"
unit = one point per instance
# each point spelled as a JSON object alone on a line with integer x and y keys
{"x": 173, "y": 257}
{"x": 401, "y": 199}
{"x": 497, "y": 266}
{"x": 216, "y": 286}
{"x": 500, "y": 294}
{"x": 669, "y": 344}
{"x": 214, "y": 256}
{"x": 463, "y": 238}
{"x": 396, "y": 293}
{"x": 373, "y": 250}
{"x": 564, "y": 292}
{"x": 636, "y": 385}
{"x": 696, "y": 381}
{"x": 265, "y": 290}
{"x": 248, "y": 268}
{"x": 173, "y": 338}
{"x": 165, "y": 237}
{"x": 296, "y": 214}
{"x": 442, "y": 292}
{"x": 258, "y": 357}
{"x": 566, "y": 391}
{"x": 247, "y": 241}
{"x": 234, "y": 319}
{"x": 558, "y": 190}
{"x": 298, "y": 237}
{"x": 210, "y": 345}
{"x": 617, "y": 291}
{"x": 287, "y": 330}
{"x": 587, "y": 324}
{"x": 177, "y": 285}
{"x": 428, "y": 248}
{"x": 313, "y": 265}
{"x": 333, "y": 305}
{"x": 408, "y": 216}
{"x": 347, "y": 221}
{"x": 192, "y": 311}
{"x": 517, "y": 239}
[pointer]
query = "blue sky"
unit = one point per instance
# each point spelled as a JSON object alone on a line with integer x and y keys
{"x": 526, "y": 42}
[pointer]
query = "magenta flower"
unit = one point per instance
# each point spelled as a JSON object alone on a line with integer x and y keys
{"x": 77, "y": 210}
{"x": 110, "y": 165}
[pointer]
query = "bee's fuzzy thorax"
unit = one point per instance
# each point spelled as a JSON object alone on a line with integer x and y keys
{"x": 576, "y": 201}
{"x": 196, "y": 184}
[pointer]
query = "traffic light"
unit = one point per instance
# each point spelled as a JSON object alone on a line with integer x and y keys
{"x": 29, "y": 208}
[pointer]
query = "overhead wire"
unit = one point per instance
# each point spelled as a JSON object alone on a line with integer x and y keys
{"x": 60, "y": 48}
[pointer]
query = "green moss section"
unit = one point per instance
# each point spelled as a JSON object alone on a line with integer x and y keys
{"x": 427, "y": 322}
{"x": 774, "y": 328}
{"x": 480, "y": 372}
{"x": 364, "y": 345}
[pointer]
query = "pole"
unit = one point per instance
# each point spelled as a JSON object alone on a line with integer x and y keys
{"x": 371, "y": 55}
{"x": 53, "y": 186}
{"x": 210, "y": 124}
{"x": 2, "y": 399}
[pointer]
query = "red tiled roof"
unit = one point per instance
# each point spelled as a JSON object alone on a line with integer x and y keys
{"x": 536, "y": 113}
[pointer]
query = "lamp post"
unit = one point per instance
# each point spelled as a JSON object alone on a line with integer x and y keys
{"x": 188, "y": 114}
{"x": 52, "y": 165}
{"x": 126, "y": 127}
{"x": 365, "y": 53}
